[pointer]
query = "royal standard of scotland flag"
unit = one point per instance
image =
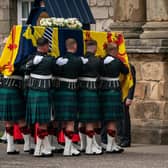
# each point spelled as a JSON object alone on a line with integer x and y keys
{"x": 22, "y": 42}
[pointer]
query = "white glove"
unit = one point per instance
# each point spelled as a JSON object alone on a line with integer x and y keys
{"x": 108, "y": 60}
{"x": 84, "y": 60}
{"x": 37, "y": 59}
{"x": 62, "y": 61}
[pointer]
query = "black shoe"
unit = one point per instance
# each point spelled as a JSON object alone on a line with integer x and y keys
{"x": 19, "y": 142}
{"x": 95, "y": 153}
{"x": 125, "y": 145}
{"x": 3, "y": 141}
{"x": 116, "y": 151}
{"x": 58, "y": 151}
{"x": 44, "y": 155}
{"x": 47, "y": 155}
{"x": 76, "y": 154}
{"x": 13, "y": 153}
{"x": 82, "y": 151}
{"x": 119, "y": 151}
{"x": 73, "y": 155}
{"x": 31, "y": 151}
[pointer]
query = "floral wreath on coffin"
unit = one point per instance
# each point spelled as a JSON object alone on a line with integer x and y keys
{"x": 72, "y": 23}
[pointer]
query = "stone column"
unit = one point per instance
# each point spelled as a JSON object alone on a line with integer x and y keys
{"x": 157, "y": 20}
{"x": 129, "y": 16}
{"x": 150, "y": 56}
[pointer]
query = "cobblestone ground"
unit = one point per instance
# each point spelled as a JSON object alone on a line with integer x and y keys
{"x": 138, "y": 156}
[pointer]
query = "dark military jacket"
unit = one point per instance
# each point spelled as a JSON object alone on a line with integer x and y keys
{"x": 132, "y": 89}
{"x": 112, "y": 69}
{"x": 92, "y": 67}
{"x": 72, "y": 68}
{"x": 45, "y": 67}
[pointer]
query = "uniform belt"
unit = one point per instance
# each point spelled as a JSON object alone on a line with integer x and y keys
{"x": 68, "y": 80}
{"x": 12, "y": 82}
{"x": 87, "y": 79}
{"x": 1, "y": 81}
{"x": 36, "y": 76}
{"x": 109, "y": 79}
{"x": 16, "y": 77}
{"x": 41, "y": 84}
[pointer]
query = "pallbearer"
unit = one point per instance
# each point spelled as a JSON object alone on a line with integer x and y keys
{"x": 39, "y": 102}
{"x": 12, "y": 108}
{"x": 110, "y": 94}
{"x": 89, "y": 112}
{"x": 66, "y": 94}
{"x": 31, "y": 142}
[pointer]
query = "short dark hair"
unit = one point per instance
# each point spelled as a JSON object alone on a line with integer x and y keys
{"x": 70, "y": 42}
{"x": 91, "y": 43}
{"x": 42, "y": 42}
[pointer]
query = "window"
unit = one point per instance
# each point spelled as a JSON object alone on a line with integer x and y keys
{"x": 24, "y": 7}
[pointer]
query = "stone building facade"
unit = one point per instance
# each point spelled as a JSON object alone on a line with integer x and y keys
{"x": 145, "y": 26}
{"x": 8, "y": 17}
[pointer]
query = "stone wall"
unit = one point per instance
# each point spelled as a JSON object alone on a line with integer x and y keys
{"x": 8, "y": 17}
{"x": 149, "y": 111}
{"x": 103, "y": 11}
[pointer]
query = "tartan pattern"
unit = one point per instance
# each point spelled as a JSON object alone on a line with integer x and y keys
{"x": 11, "y": 104}
{"x": 52, "y": 92}
{"x": 65, "y": 105}
{"x": 38, "y": 107}
{"x": 25, "y": 93}
{"x": 111, "y": 105}
{"x": 88, "y": 102}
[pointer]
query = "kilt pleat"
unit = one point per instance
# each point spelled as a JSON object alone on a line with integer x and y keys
{"x": 65, "y": 101}
{"x": 38, "y": 107}
{"x": 88, "y": 103}
{"x": 12, "y": 105}
{"x": 111, "y": 105}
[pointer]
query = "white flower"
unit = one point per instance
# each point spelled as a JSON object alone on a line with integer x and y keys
{"x": 79, "y": 24}
{"x": 49, "y": 22}
{"x": 72, "y": 23}
{"x": 59, "y": 22}
{"x": 43, "y": 22}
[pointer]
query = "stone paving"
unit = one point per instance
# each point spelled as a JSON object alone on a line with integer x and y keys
{"x": 138, "y": 156}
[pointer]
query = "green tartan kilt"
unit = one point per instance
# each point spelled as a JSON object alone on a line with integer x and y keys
{"x": 65, "y": 101}
{"x": 12, "y": 105}
{"x": 25, "y": 93}
{"x": 111, "y": 105}
{"x": 53, "y": 105}
{"x": 38, "y": 109}
{"x": 88, "y": 103}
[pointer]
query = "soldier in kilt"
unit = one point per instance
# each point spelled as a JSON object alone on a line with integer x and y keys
{"x": 12, "y": 108}
{"x": 89, "y": 112}
{"x": 31, "y": 144}
{"x": 54, "y": 126}
{"x": 66, "y": 94}
{"x": 38, "y": 108}
{"x": 110, "y": 94}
